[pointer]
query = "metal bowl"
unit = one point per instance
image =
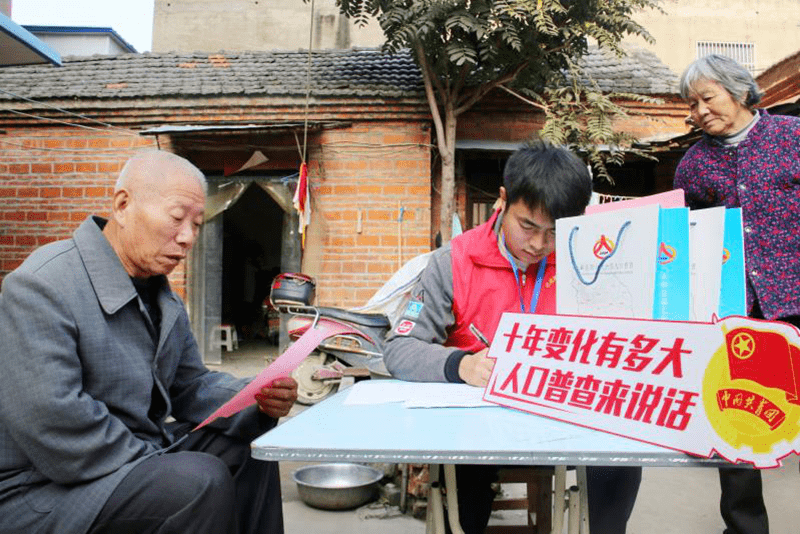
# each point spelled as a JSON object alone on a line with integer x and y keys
{"x": 337, "y": 486}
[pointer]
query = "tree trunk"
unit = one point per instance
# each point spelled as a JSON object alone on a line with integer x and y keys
{"x": 448, "y": 154}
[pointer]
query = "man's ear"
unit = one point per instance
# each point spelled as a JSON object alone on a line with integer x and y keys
{"x": 500, "y": 203}
{"x": 120, "y": 206}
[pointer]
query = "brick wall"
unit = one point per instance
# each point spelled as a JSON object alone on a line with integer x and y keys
{"x": 51, "y": 179}
{"x": 363, "y": 173}
{"x": 361, "y": 179}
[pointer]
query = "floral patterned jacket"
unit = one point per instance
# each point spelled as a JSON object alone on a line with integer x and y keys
{"x": 762, "y": 176}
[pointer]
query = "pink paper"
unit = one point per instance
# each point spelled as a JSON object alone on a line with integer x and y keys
{"x": 668, "y": 199}
{"x": 282, "y": 366}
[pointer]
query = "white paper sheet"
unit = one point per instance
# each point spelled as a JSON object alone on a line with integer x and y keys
{"x": 416, "y": 394}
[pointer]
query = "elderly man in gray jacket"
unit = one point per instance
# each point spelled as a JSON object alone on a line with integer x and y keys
{"x": 102, "y": 380}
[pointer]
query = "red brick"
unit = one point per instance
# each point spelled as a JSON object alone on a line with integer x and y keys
{"x": 371, "y": 190}
{"x": 6, "y": 240}
{"x": 25, "y": 240}
{"x": 73, "y": 192}
{"x": 19, "y": 168}
{"x": 382, "y": 215}
{"x": 58, "y": 216}
{"x": 345, "y": 190}
{"x": 14, "y": 215}
{"x": 64, "y": 168}
{"x": 41, "y": 168}
{"x": 96, "y": 192}
{"x": 36, "y": 216}
{"x": 8, "y": 192}
{"x": 98, "y": 143}
{"x": 367, "y": 240}
{"x": 28, "y": 192}
{"x": 107, "y": 166}
{"x": 395, "y": 190}
{"x": 10, "y": 265}
{"x": 50, "y": 192}
{"x": 86, "y": 167}
{"x": 418, "y": 190}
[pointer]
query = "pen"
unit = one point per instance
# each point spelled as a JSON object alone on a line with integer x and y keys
{"x": 477, "y": 333}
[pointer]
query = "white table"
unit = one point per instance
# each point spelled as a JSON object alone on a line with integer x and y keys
{"x": 332, "y": 431}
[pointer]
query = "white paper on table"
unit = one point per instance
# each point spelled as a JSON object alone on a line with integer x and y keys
{"x": 448, "y": 396}
{"x": 706, "y": 233}
{"x": 415, "y": 394}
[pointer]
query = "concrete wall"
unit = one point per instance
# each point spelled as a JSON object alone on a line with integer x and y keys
{"x": 211, "y": 25}
{"x": 773, "y": 26}
{"x": 67, "y": 44}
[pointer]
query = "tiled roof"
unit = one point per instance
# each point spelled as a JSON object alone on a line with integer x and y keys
{"x": 275, "y": 73}
{"x": 334, "y": 73}
{"x": 639, "y": 72}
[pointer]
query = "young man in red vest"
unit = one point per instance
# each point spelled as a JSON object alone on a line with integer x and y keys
{"x": 504, "y": 265}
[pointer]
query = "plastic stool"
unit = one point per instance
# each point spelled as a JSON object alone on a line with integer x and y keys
{"x": 225, "y": 336}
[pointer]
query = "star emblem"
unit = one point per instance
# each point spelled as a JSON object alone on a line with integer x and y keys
{"x": 743, "y": 345}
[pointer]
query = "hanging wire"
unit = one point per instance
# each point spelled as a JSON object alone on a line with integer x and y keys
{"x": 39, "y": 117}
{"x": 308, "y": 84}
{"x": 67, "y": 112}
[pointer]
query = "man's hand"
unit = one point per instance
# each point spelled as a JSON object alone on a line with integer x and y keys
{"x": 475, "y": 369}
{"x": 277, "y": 399}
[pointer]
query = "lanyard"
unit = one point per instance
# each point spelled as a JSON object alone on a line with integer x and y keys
{"x": 536, "y": 288}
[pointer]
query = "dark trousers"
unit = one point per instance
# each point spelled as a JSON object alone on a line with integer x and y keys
{"x": 741, "y": 500}
{"x": 611, "y": 491}
{"x": 209, "y": 484}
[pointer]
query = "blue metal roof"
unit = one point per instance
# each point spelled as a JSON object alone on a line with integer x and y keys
{"x": 18, "y": 46}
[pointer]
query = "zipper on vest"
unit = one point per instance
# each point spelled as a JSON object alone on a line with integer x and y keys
{"x": 524, "y": 278}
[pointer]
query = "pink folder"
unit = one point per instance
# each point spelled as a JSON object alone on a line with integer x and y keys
{"x": 669, "y": 199}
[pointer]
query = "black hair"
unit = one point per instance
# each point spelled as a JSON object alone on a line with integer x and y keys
{"x": 548, "y": 177}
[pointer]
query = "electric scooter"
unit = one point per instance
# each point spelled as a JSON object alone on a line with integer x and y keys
{"x": 338, "y": 360}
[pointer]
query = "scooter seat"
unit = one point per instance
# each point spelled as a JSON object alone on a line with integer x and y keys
{"x": 375, "y": 320}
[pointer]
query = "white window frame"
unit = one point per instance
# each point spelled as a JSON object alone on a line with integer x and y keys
{"x": 743, "y": 53}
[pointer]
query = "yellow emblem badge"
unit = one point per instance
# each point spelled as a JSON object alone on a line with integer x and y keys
{"x": 750, "y": 389}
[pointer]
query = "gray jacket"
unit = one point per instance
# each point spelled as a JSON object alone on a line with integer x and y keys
{"x": 85, "y": 390}
{"x": 422, "y": 356}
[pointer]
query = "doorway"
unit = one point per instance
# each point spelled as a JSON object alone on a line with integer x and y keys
{"x": 249, "y": 236}
{"x": 251, "y": 258}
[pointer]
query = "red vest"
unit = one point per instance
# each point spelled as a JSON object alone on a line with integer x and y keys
{"x": 484, "y": 286}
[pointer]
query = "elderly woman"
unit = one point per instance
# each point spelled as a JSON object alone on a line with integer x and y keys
{"x": 749, "y": 159}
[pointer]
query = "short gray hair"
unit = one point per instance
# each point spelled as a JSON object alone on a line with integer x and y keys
{"x": 159, "y": 158}
{"x": 733, "y": 77}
